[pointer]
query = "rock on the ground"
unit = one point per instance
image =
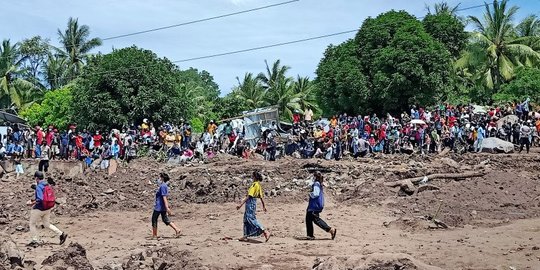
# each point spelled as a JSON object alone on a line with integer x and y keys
{"x": 10, "y": 255}
{"x": 496, "y": 145}
{"x": 72, "y": 257}
{"x": 381, "y": 261}
{"x": 167, "y": 257}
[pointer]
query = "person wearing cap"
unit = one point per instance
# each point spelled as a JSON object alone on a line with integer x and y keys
{"x": 162, "y": 207}
{"x": 38, "y": 215}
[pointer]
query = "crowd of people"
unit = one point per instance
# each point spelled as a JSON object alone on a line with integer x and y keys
{"x": 458, "y": 128}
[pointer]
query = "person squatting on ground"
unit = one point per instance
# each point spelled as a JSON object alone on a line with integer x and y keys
{"x": 40, "y": 214}
{"x": 162, "y": 206}
{"x": 252, "y": 227}
{"x": 315, "y": 207}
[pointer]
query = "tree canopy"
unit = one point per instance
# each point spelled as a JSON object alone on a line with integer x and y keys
{"x": 126, "y": 86}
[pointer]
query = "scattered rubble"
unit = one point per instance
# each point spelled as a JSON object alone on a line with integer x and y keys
{"x": 72, "y": 257}
{"x": 380, "y": 261}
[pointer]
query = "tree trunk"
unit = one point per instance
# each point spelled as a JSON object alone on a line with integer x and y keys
{"x": 431, "y": 177}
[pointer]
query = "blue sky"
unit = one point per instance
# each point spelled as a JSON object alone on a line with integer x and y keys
{"x": 307, "y": 18}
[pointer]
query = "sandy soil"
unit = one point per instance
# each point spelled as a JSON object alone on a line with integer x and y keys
{"x": 493, "y": 220}
{"x": 109, "y": 236}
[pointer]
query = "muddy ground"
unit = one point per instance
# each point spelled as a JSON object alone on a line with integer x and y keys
{"x": 486, "y": 222}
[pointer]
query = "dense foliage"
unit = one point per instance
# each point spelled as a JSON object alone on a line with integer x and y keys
{"x": 56, "y": 109}
{"x": 130, "y": 84}
{"x": 525, "y": 85}
{"x": 391, "y": 64}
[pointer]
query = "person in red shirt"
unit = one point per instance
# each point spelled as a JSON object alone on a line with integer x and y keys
{"x": 296, "y": 117}
{"x": 330, "y": 133}
{"x": 39, "y": 136}
{"x": 451, "y": 121}
{"x": 97, "y": 140}
{"x": 49, "y": 137}
{"x": 367, "y": 129}
{"x": 79, "y": 142}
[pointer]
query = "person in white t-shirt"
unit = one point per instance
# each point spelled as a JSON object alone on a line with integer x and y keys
{"x": 308, "y": 115}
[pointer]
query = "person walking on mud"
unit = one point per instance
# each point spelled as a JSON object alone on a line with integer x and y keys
{"x": 315, "y": 207}
{"x": 162, "y": 206}
{"x": 252, "y": 227}
{"x": 42, "y": 205}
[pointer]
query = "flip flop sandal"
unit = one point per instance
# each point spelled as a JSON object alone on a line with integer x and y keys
{"x": 334, "y": 234}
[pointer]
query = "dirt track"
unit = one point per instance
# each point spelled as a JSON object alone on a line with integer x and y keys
{"x": 494, "y": 220}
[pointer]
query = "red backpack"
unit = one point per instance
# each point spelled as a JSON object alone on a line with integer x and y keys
{"x": 49, "y": 199}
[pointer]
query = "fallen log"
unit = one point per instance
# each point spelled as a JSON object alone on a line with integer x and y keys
{"x": 431, "y": 177}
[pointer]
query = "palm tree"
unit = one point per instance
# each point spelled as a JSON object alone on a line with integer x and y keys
{"x": 56, "y": 71}
{"x": 76, "y": 44}
{"x": 273, "y": 75}
{"x": 495, "y": 51}
{"x": 285, "y": 98}
{"x": 529, "y": 27}
{"x": 305, "y": 89}
{"x": 12, "y": 86}
{"x": 250, "y": 91}
{"x": 443, "y": 7}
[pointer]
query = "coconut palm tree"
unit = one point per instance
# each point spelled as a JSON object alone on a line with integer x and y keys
{"x": 56, "y": 71}
{"x": 529, "y": 27}
{"x": 495, "y": 51}
{"x": 250, "y": 91}
{"x": 285, "y": 98}
{"x": 443, "y": 7}
{"x": 76, "y": 44}
{"x": 273, "y": 75}
{"x": 13, "y": 88}
{"x": 305, "y": 89}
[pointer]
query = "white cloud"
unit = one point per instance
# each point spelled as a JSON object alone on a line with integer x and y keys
{"x": 240, "y": 2}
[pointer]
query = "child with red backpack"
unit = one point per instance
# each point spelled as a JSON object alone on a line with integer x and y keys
{"x": 41, "y": 210}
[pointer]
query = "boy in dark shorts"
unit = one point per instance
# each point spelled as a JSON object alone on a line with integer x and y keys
{"x": 162, "y": 206}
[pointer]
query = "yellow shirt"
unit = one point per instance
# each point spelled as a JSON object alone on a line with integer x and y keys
{"x": 255, "y": 190}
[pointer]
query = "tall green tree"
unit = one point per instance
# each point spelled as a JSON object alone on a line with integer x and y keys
{"x": 15, "y": 91}
{"x": 529, "y": 27}
{"x": 250, "y": 91}
{"x": 126, "y": 86}
{"x": 526, "y": 84}
{"x": 494, "y": 51}
{"x": 76, "y": 45}
{"x": 305, "y": 90}
{"x": 55, "y": 72}
{"x": 447, "y": 29}
{"x": 55, "y": 109}
{"x": 402, "y": 63}
{"x": 341, "y": 85}
{"x": 35, "y": 51}
{"x": 274, "y": 75}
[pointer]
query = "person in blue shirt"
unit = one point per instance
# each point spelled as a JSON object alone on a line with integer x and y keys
{"x": 162, "y": 206}
{"x": 315, "y": 207}
{"x": 40, "y": 215}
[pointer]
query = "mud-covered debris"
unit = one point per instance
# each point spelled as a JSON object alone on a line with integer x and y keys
{"x": 72, "y": 257}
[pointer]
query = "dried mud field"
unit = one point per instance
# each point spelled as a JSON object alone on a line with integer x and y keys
{"x": 476, "y": 211}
